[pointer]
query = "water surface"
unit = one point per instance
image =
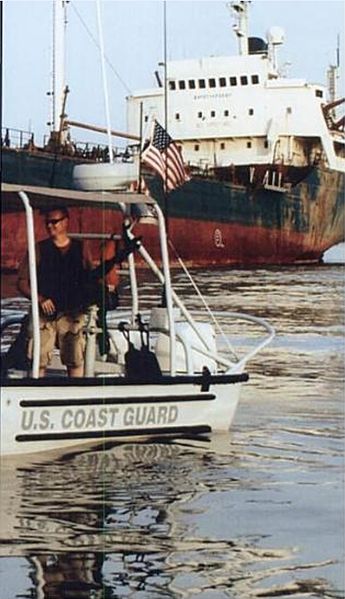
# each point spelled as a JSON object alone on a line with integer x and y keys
{"x": 254, "y": 513}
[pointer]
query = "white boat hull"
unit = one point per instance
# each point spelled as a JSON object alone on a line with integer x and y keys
{"x": 35, "y": 420}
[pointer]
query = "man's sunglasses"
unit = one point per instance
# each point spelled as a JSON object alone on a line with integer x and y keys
{"x": 54, "y": 221}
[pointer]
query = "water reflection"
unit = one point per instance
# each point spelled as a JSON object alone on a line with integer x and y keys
{"x": 163, "y": 520}
{"x": 119, "y": 539}
{"x": 257, "y": 513}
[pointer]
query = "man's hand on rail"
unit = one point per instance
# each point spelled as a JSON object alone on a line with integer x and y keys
{"x": 47, "y": 306}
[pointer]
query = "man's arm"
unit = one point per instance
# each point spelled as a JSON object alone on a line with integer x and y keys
{"x": 119, "y": 255}
{"x": 87, "y": 258}
{"x": 23, "y": 284}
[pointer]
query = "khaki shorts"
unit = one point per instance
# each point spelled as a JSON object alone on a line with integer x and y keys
{"x": 65, "y": 333}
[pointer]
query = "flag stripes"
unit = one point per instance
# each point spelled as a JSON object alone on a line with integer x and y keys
{"x": 164, "y": 157}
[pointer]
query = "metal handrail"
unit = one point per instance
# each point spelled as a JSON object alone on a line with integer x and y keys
{"x": 220, "y": 360}
{"x": 250, "y": 318}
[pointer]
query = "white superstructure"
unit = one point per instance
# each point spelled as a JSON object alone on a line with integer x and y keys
{"x": 240, "y": 109}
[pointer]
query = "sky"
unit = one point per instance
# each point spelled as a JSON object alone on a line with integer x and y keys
{"x": 133, "y": 41}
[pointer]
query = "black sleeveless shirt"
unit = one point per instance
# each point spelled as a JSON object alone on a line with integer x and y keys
{"x": 61, "y": 275}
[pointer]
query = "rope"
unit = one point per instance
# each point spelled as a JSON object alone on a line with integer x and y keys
{"x": 129, "y": 91}
{"x": 201, "y": 297}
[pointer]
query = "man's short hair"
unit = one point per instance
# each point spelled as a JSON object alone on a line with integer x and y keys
{"x": 61, "y": 209}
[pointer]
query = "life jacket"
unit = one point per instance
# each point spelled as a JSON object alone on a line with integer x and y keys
{"x": 61, "y": 275}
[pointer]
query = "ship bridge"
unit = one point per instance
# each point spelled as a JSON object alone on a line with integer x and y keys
{"x": 232, "y": 110}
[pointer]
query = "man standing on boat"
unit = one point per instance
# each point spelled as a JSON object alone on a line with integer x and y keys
{"x": 62, "y": 264}
{"x": 67, "y": 285}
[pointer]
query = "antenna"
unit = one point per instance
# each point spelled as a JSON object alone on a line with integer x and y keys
{"x": 240, "y": 27}
{"x": 104, "y": 77}
{"x": 275, "y": 37}
{"x": 58, "y": 74}
{"x": 165, "y": 58}
{"x": 333, "y": 76}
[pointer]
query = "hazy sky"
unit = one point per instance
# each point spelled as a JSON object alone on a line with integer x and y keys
{"x": 133, "y": 38}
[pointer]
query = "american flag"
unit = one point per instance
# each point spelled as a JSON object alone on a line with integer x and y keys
{"x": 164, "y": 157}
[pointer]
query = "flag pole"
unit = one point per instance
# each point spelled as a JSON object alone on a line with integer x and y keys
{"x": 166, "y": 207}
{"x": 141, "y": 146}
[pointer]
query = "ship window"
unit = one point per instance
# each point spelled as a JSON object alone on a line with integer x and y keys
{"x": 233, "y": 80}
{"x": 222, "y": 81}
{"x": 249, "y": 144}
{"x": 213, "y": 113}
{"x": 244, "y": 80}
{"x": 199, "y": 115}
{"x": 289, "y": 110}
{"x": 202, "y": 83}
{"x": 172, "y": 85}
{"x": 196, "y": 147}
{"x": 255, "y": 79}
{"x": 226, "y": 113}
{"x": 222, "y": 146}
{"x": 146, "y": 118}
{"x": 191, "y": 84}
{"x": 177, "y": 116}
{"x": 251, "y": 111}
{"x": 265, "y": 143}
{"x": 182, "y": 84}
{"x": 319, "y": 93}
{"x": 212, "y": 82}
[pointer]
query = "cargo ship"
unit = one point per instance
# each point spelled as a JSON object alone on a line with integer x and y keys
{"x": 265, "y": 154}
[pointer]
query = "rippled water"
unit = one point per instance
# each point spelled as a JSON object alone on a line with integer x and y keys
{"x": 255, "y": 513}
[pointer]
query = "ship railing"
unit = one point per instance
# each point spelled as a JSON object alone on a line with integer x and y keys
{"x": 86, "y": 150}
{"x": 16, "y": 138}
{"x": 96, "y": 152}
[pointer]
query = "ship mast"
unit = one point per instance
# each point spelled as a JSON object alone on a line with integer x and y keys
{"x": 332, "y": 78}
{"x": 240, "y": 27}
{"x": 59, "y": 90}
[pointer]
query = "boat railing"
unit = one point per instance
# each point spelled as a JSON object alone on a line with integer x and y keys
{"x": 240, "y": 316}
{"x": 224, "y": 359}
{"x": 192, "y": 350}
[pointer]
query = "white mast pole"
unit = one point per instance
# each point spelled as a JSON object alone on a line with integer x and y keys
{"x": 240, "y": 10}
{"x": 33, "y": 284}
{"x": 59, "y": 8}
{"x": 104, "y": 77}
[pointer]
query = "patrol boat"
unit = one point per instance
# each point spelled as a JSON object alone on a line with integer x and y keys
{"x": 166, "y": 372}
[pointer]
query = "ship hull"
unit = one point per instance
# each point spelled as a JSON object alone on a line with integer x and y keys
{"x": 210, "y": 221}
{"x": 215, "y": 222}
